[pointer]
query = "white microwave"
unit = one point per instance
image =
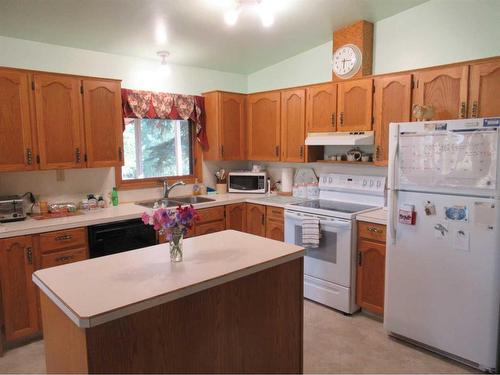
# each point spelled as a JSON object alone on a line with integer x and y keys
{"x": 247, "y": 182}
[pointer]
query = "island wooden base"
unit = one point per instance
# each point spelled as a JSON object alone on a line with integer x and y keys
{"x": 250, "y": 325}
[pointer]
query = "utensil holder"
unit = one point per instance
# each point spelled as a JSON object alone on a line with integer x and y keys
{"x": 221, "y": 188}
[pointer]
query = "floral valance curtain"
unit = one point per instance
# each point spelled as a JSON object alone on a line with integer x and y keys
{"x": 160, "y": 105}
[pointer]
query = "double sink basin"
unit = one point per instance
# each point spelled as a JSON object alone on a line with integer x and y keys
{"x": 174, "y": 202}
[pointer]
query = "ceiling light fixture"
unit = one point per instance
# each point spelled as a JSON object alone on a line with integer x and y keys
{"x": 263, "y": 8}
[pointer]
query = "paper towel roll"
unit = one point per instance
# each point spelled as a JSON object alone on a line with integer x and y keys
{"x": 286, "y": 180}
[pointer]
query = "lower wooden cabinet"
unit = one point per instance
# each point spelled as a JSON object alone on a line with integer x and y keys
{"x": 211, "y": 220}
{"x": 275, "y": 224}
{"x": 256, "y": 219}
{"x": 370, "y": 277}
{"x": 63, "y": 257}
{"x": 236, "y": 216}
{"x": 19, "y": 297}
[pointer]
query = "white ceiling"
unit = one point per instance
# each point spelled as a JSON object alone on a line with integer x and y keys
{"x": 193, "y": 30}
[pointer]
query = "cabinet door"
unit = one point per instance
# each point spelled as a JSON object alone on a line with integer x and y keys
{"x": 232, "y": 126}
{"x": 264, "y": 126}
{"x": 256, "y": 219}
{"x": 212, "y": 113}
{"x": 370, "y": 276}
{"x": 59, "y": 121}
{"x": 236, "y": 217}
{"x": 392, "y": 103}
{"x": 293, "y": 125}
{"x": 275, "y": 230}
{"x": 321, "y": 111}
{"x": 16, "y": 143}
{"x": 355, "y": 105}
{"x": 484, "y": 97}
{"x": 103, "y": 123}
{"x": 445, "y": 89}
{"x": 18, "y": 291}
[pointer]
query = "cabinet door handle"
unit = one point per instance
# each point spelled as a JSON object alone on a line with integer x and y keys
{"x": 277, "y": 150}
{"x": 63, "y": 238}
{"x": 377, "y": 152}
{"x": 341, "y": 118}
{"x": 301, "y": 151}
{"x": 120, "y": 157}
{"x": 463, "y": 109}
{"x": 263, "y": 219}
{"x": 374, "y": 230}
{"x": 475, "y": 107}
{"x": 222, "y": 150}
{"x": 29, "y": 156}
{"x": 360, "y": 259}
{"x": 334, "y": 119}
{"x": 29, "y": 255}
{"x": 78, "y": 155}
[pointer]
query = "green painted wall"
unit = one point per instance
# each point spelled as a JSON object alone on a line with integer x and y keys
{"x": 433, "y": 33}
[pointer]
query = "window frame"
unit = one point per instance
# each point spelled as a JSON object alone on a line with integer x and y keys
{"x": 144, "y": 183}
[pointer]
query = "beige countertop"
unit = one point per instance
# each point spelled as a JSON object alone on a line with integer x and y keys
{"x": 379, "y": 216}
{"x": 126, "y": 211}
{"x": 95, "y": 291}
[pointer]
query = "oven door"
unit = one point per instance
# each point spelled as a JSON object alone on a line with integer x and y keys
{"x": 331, "y": 260}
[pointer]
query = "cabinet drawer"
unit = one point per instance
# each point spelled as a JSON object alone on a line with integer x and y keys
{"x": 63, "y": 257}
{"x": 371, "y": 231}
{"x": 211, "y": 214}
{"x": 216, "y": 226}
{"x": 63, "y": 239}
{"x": 275, "y": 213}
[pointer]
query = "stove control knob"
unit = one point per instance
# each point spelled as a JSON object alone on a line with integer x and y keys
{"x": 330, "y": 180}
{"x": 371, "y": 183}
{"x": 365, "y": 182}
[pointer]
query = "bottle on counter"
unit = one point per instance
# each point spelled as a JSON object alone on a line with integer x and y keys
{"x": 114, "y": 197}
{"x": 196, "y": 188}
{"x": 101, "y": 203}
{"x": 92, "y": 201}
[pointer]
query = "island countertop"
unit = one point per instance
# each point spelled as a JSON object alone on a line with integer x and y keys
{"x": 99, "y": 290}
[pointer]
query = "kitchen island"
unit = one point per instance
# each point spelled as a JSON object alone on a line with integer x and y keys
{"x": 235, "y": 304}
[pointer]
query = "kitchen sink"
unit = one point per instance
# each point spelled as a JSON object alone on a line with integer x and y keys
{"x": 166, "y": 202}
{"x": 192, "y": 200}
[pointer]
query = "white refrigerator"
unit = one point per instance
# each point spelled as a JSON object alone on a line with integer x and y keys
{"x": 442, "y": 285}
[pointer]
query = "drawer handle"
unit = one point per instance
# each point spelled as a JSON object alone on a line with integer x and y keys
{"x": 64, "y": 258}
{"x": 29, "y": 255}
{"x": 63, "y": 238}
{"x": 374, "y": 230}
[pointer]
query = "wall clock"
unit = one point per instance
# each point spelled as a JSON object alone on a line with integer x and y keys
{"x": 347, "y": 61}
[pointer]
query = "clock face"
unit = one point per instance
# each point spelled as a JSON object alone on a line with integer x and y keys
{"x": 346, "y": 61}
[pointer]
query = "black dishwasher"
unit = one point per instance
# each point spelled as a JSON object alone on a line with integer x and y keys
{"x": 119, "y": 236}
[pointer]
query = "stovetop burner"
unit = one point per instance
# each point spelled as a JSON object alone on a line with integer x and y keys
{"x": 336, "y": 206}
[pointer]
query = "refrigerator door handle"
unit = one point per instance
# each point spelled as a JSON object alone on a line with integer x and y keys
{"x": 393, "y": 214}
{"x": 393, "y": 151}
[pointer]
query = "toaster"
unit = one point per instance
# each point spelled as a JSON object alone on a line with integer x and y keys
{"x": 11, "y": 208}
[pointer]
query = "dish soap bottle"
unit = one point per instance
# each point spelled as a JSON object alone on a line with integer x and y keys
{"x": 196, "y": 188}
{"x": 114, "y": 197}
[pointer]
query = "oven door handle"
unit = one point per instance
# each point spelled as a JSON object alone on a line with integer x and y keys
{"x": 325, "y": 222}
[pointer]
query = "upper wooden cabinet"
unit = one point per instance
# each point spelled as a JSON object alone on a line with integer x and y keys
{"x": 59, "y": 122}
{"x": 445, "y": 89}
{"x": 392, "y": 103}
{"x": 225, "y": 126}
{"x": 264, "y": 126}
{"x": 484, "y": 91}
{"x": 321, "y": 110}
{"x": 355, "y": 105}
{"x": 103, "y": 122}
{"x": 16, "y": 141}
{"x": 18, "y": 291}
{"x": 293, "y": 125}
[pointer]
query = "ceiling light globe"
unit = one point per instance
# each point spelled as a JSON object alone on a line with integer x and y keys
{"x": 231, "y": 17}
{"x": 267, "y": 19}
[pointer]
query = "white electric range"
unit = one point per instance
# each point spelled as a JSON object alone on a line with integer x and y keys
{"x": 330, "y": 269}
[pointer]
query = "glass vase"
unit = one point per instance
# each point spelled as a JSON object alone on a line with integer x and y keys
{"x": 176, "y": 247}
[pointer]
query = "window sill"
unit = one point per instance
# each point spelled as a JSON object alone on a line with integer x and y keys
{"x": 150, "y": 182}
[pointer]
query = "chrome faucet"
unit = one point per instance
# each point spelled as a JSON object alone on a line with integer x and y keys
{"x": 167, "y": 188}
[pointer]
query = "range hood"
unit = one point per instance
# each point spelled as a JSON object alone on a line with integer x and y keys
{"x": 340, "y": 138}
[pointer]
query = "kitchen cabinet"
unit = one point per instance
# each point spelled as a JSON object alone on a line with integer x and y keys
{"x": 355, "y": 105}
{"x": 370, "y": 273}
{"x": 321, "y": 109}
{"x": 293, "y": 125}
{"x": 225, "y": 113}
{"x": 392, "y": 103}
{"x": 256, "y": 219}
{"x": 103, "y": 122}
{"x": 236, "y": 217}
{"x": 59, "y": 122}
{"x": 61, "y": 247}
{"x": 484, "y": 98}
{"x": 19, "y": 298}
{"x": 263, "y": 123}
{"x": 211, "y": 220}
{"x": 16, "y": 137}
{"x": 275, "y": 224}
{"x": 445, "y": 89}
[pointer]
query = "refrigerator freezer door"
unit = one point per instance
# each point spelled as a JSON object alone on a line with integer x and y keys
{"x": 443, "y": 276}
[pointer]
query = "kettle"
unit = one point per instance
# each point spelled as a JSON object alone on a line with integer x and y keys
{"x": 354, "y": 154}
